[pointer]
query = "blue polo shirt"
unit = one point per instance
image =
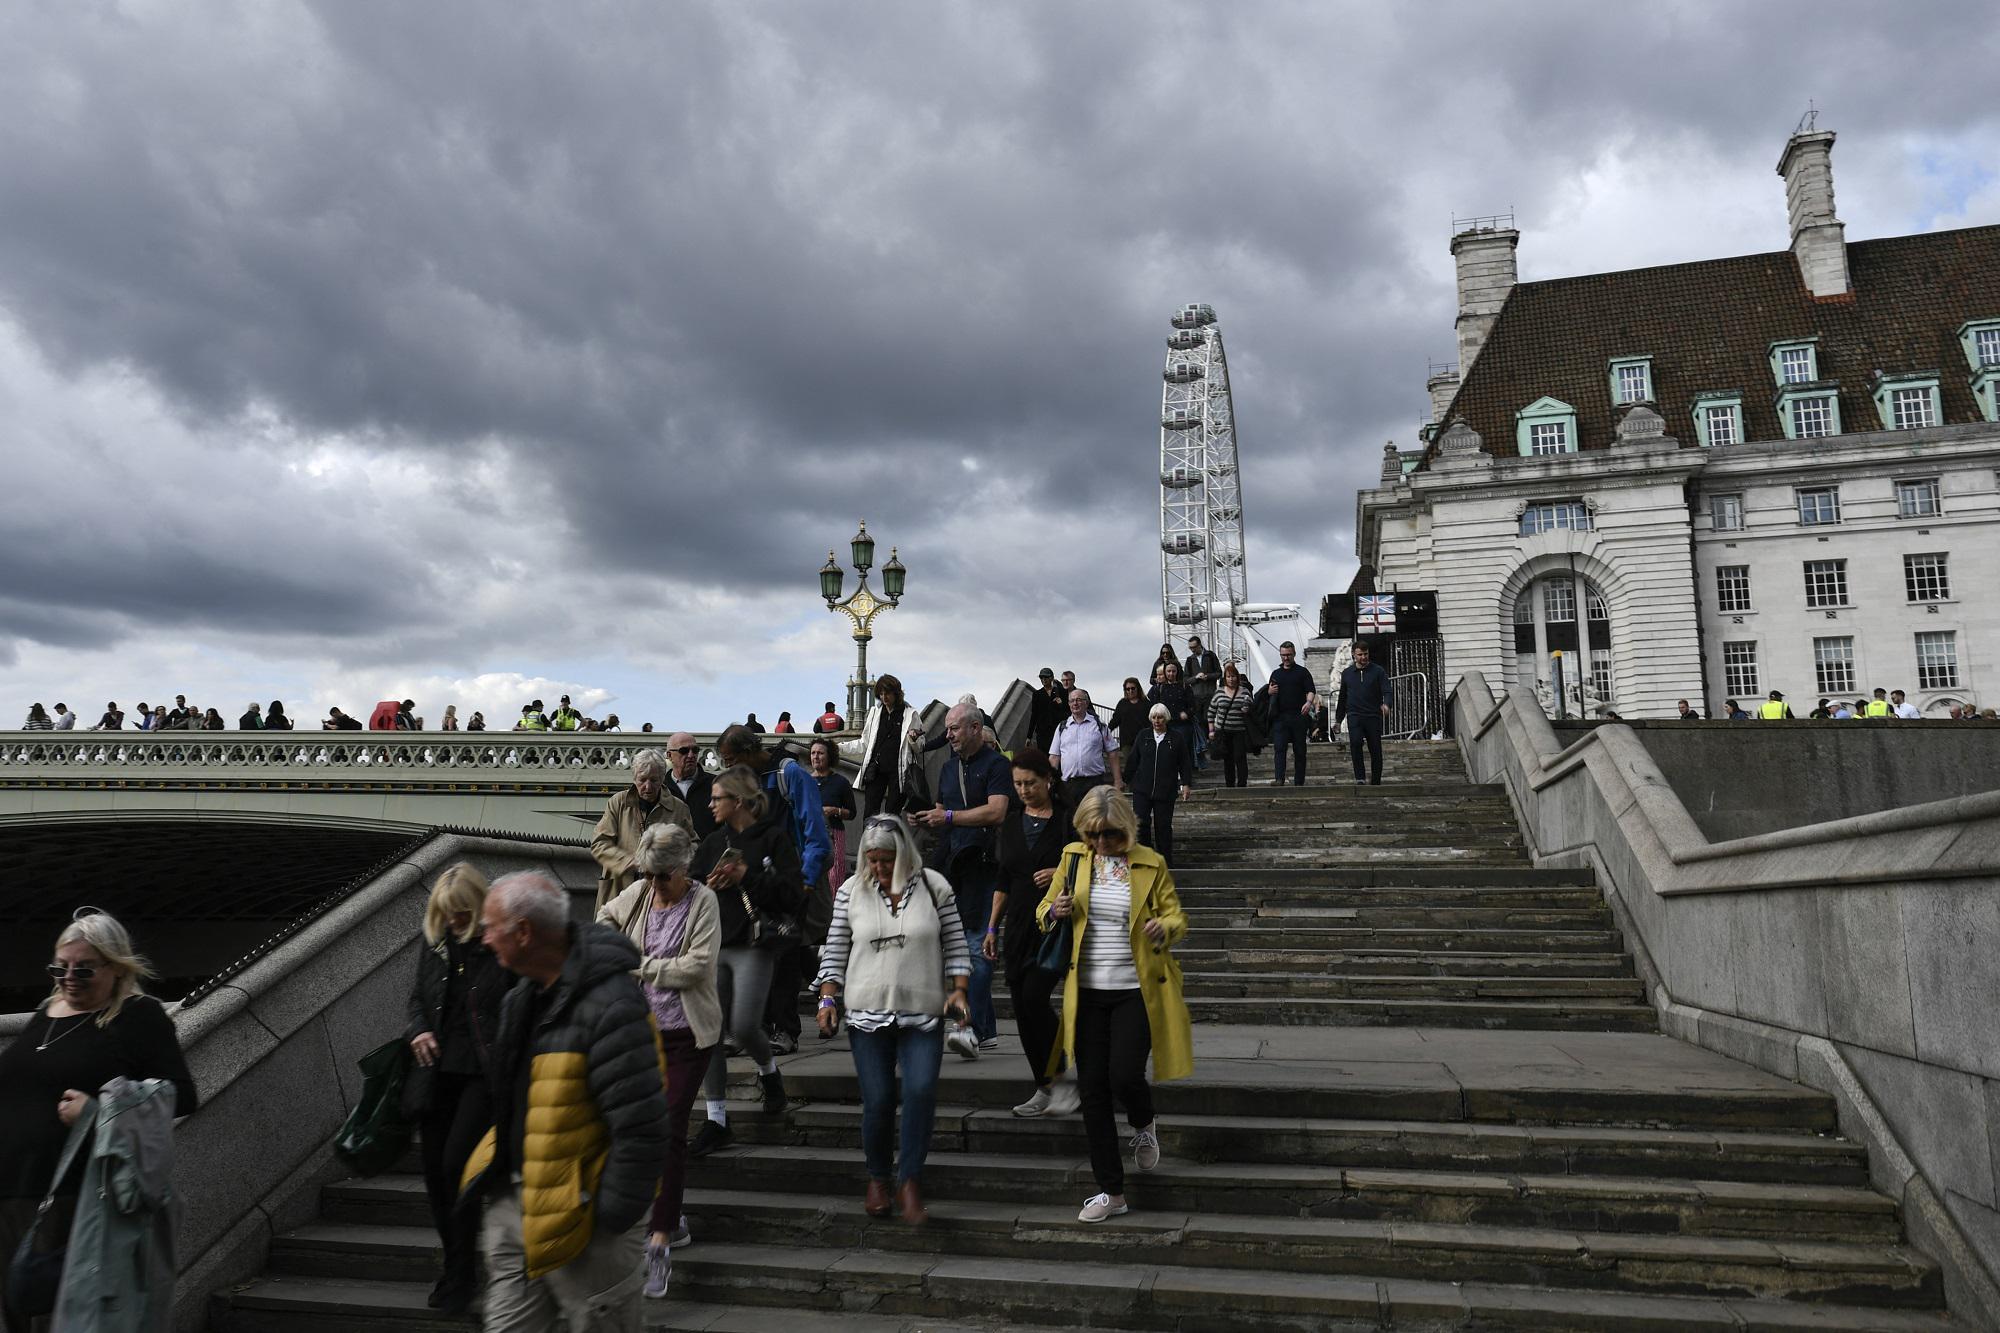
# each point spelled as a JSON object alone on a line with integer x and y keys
{"x": 987, "y": 774}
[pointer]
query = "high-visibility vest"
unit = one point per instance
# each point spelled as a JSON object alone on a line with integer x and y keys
{"x": 534, "y": 722}
{"x": 1878, "y": 708}
{"x": 1773, "y": 710}
{"x": 566, "y": 719}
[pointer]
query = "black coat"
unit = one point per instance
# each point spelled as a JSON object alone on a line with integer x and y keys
{"x": 1178, "y": 699}
{"x": 778, "y": 889}
{"x": 482, "y": 985}
{"x": 1159, "y": 769}
{"x": 1018, "y": 864}
{"x": 1128, "y": 719}
{"x": 1046, "y": 712}
{"x": 697, "y": 796}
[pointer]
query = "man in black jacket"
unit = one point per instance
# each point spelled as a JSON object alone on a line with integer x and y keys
{"x": 1364, "y": 699}
{"x": 1159, "y": 772}
{"x": 691, "y": 782}
{"x": 1046, "y": 710}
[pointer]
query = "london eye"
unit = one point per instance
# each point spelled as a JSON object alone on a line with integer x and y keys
{"x": 1203, "y": 582}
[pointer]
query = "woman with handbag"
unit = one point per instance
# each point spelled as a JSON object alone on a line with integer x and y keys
{"x": 750, "y": 864}
{"x": 675, "y": 923}
{"x": 1032, "y": 840}
{"x": 96, "y": 1025}
{"x": 892, "y": 765}
{"x": 897, "y": 953}
{"x": 454, "y": 1011}
{"x": 1122, "y": 996}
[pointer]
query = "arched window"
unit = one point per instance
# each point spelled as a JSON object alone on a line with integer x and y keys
{"x": 1550, "y": 641}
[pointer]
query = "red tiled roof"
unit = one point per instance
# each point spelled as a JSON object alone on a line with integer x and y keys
{"x": 1709, "y": 325}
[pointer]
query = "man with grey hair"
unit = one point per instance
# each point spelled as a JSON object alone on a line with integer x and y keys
{"x": 565, "y": 1211}
{"x": 628, "y": 814}
{"x": 974, "y": 788}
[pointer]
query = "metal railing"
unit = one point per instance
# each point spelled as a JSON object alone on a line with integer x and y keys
{"x": 1410, "y": 714}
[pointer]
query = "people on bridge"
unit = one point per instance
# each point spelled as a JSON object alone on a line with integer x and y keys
{"x": 339, "y": 721}
{"x": 893, "y": 997}
{"x": 691, "y": 782}
{"x": 1363, "y": 701}
{"x": 1774, "y": 708}
{"x": 38, "y": 719}
{"x": 783, "y": 726}
{"x": 1292, "y": 698}
{"x": 836, "y": 800}
{"x": 450, "y": 719}
{"x": 565, "y": 718}
{"x": 892, "y": 764}
{"x": 274, "y": 717}
{"x": 830, "y": 721}
{"x": 252, "y": 719}
{"x": 1122, "y": 995}
{"x": 751, "y": 864}
{"x": 211, "y": 720}
{"x": 97, "y": 1024}
{"x": 1031, "y": 844}
{"x": 1686, "y": 713}
{"x": 751, "y": 722}
{"x": 1085, "y": 753}
{"x": 975, "y": 787}
{"x": 477, "y": 722}
{"x": 454, "y": 1011}
{"x": 1201, "y": 673}
{"x": 180, "y": 717}
{"x": 627, "y": 815}
{"x": 532, "y": 718}
{"x": 1183, "y": 715}
{"x": 1229, "y": 726}
{"x": 676, "y": 926}
{"x": 1047, "y": 707}
{"x": 576, "y": 1048}
{"x": 1161, "y": 773}
{"x": 1878, "y": 706}
{"x": 65, "y": 720}
{"x": 113, "y": 719}
{"x": 1128, "y": 719}
{"x": 1901, "y": 707}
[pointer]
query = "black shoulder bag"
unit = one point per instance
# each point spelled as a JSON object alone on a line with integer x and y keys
{"x": 1059, "y": 943}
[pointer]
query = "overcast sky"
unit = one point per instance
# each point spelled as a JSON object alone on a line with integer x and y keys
{"x": 474, "y": 351}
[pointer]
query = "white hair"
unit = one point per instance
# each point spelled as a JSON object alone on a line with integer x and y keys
{"x": 663, "y": 848}
{"x": 1158, "y": 710}
{"x": 533, "y": 897}
{"x": 649, "y": 761}
{"x": 883, "y": 833}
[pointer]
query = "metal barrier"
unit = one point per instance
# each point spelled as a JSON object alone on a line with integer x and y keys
{"x": 1410, "y": 714}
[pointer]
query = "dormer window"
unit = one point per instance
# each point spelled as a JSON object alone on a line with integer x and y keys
{"x": 1718, "y": 418}
{"x": 1809, "y": 416}
{"x": 1907, "y": 402}
{"x": 1980, "y": 338}
{"x": 1546, "y": 426}
{"x": 1631, "y": 380}
{"x": 1795, "y": 361}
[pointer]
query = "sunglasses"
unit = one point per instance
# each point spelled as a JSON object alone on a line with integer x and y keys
{"x": 686, "y": 749}
{"x": 81, "y": 971}
{"x": 1105, "y": 833}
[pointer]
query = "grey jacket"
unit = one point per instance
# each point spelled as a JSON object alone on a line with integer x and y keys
{"x": 119, "y": 1277}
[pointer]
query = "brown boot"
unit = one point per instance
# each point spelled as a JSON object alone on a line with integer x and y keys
{"x": 877, "y": 1204}
{"x": 910, "y": 1200}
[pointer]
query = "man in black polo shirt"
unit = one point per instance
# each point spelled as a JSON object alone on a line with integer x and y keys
{"x": 1363, "y": 703}
{"x": 1293, "y": 698}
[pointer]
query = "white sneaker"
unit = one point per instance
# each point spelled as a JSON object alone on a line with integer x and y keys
{"x": 1100, "y": 1207}
{"x": 1146, "y": 1147}
{"x": 989, "y": 1043}
{"x": 961, "y": 1042}
{"x": 1035, "y": 1105}
{"x": 1063, "y": 1098}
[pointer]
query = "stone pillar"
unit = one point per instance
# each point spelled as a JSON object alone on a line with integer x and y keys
{"x": 1486, "y": 273}
{"x": 1819, "y": 238}
{"x": 1443, "y": 387}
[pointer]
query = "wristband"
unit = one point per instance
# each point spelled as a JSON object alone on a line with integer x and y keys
{"x": 993, "y": 930}
{"x": 947, "y": 818}
{"x": 828, "y": 1002}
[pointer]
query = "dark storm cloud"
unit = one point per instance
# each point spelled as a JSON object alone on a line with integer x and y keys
{"x": 714, "y": 279}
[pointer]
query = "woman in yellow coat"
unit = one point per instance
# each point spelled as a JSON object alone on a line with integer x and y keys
{"x": 1122, "y": 997}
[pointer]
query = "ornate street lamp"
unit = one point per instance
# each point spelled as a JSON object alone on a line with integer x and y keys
{"x": 861, "y": 607}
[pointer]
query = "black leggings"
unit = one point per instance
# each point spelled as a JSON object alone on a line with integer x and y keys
{"x": 1113, "y": 1040}
{"x": 451, "y": 1129}
{"x": 1234, "y": 747}
{"x": 1034, "y": 1013}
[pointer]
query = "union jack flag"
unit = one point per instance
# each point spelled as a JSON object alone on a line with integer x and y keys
{"x": 1375, "y": 611}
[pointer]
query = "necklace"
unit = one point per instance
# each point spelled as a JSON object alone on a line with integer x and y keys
{"x": 54, "y": 1037}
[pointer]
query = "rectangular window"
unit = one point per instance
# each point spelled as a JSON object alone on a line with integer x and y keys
{"x": 1600, "y": 672}
{"x": 1553, "y": 514}
{"x": 1926, "y": 577}
{"x": 1986, "y": 346}
{"x": 1632, "y": 387}
{"x": 1721, "y": 425}
{"x": 1732, "y": 588}
{"x": 1812, "y": 417}
{"x": 1911, "y": 409}
{"x": 1725, "y": 513}
{"x": 1795, "y": 365}
{"x": 1937, "y": 660}
{"x": 1558, "y": 601}
{"x": 1917, "y": 498}
{"x": 1826, "y": 583}
{"x": 1819, "y": 506}
{"x": 1549, "y": 437}
{"x": 1833, "y": 663}
{"x": 1739, "y": 670}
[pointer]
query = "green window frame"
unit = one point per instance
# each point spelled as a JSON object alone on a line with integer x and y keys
{"x": 1779, "y": 362}
{"x": 1909, "y": 401}
{"x": 1546, "y": 413}
{"x": 1631, "y": 379}
{"x": 1979, "y": 339}
{"x": 1805, "y": 393}
{"x": 1728, "y": 401}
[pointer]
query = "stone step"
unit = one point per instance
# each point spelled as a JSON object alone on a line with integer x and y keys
{"x": 1402, "y": 963}
{"x": 1381, "y": 876}
{"x": 1203, "y": 983}
{"x": 1335, "y": 938}
{"x": 1331, "y": 785}
{"x": 1202, "y": 917}
{"x": 1332, "y": 856}
{"x": 1337, "y": 896}
{"x": 1580, "y": 1014}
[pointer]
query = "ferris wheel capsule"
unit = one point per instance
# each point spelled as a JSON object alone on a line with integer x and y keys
{"x": 1183, "y": 613}
{"x": 1186, "y": 340}
{"x": 1180, "y": 478}
{"x": 1182, "y": 543}
{"x": 1182, "y": 372}
{"x": 1180, "y": 418}
{"x": 1194, "y": 316}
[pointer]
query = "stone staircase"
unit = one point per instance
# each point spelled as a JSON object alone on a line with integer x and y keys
{"x": 1427, "y": 1096}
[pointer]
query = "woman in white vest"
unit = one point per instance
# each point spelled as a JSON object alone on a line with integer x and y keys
{"x": 896, "y": 955}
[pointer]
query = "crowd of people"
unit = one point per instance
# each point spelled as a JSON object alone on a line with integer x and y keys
{"x": 1889, "y": 704}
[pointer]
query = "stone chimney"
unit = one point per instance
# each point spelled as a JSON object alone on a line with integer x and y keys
{"x": 1819, "y": 238}
{"x": 1486, "y": 273}
{"x": 1443, "y": 386}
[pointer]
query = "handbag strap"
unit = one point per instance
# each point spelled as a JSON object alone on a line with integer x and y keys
{"x": 78, "y": 1132}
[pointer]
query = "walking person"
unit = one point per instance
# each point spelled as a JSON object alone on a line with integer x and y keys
{"x": 628, "y": 814}
{"x": 575, "y": 1049}
{"x": 676, "y": 926}
{"x": 691, "y": 782}
{"x": 1292, "y": 701}
{"x": 1128, "y": 718}
{"x": 1085, "y": 753}
{"x": 454, "y": 1012}
{"x": 750, "y": 865}
{"x": 836, "y": 799}
{"x": 974, "y": 788}
{"x": 1031, "y": 846}
{"x": 892, "y": 764}
{"x": 1047, "y": 707}
{"x": 896, "y": 956}
{"x": 1229, "y": 726}
{"x": 1122, "y": 998}
{"x": 1162, "y": 773}
{"x": 1201, "y": 673}
{"x": 1182, "y": 714}
{"x": 1363, "y": 701}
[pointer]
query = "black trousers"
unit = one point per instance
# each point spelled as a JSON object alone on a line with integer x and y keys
{"x": 1233, "y": 747}
{"x": 1034, "y": 1009}
{"x": 1113, "y": 1042}
{"x": 1156, "y": 823}
{"x": 1365, "y": 731}
{"x": 1289, "y": 730}
{"x": 458, "y": 1118}
{"x": 883, "y": 799}
{"x": 788, "y": 978}
{"x": 1074, "y": 788}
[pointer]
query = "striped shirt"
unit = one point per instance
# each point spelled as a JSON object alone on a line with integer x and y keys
{"x": 839, "y": 948}
{"x": 1227, "y": 712}
{"x": 1107, "y": 941}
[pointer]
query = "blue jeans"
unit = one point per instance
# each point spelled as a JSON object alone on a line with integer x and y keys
{"x": 876, "y": 1057}
{"x": 974, "y": 898}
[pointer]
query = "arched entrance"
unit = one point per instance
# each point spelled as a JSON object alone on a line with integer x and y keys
{"x": 1562, "y": 631}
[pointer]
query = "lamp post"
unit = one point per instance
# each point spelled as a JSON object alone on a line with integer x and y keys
{"x": 861, "y": 607}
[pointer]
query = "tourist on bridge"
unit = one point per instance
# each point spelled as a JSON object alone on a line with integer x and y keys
{"x": 1292, "y": 701}
{"x": 1122, "y": 997}
{"x": 1201, "y": 673}
{"x": 211, "y": 720}
{"x": 65, "y": 719}
{"x": 450, "y": 720}
{"x": 1184, "y": 717}
{"x": 1128, "y": 719}
{"x": 252, "y": 719}
{"x": 477, "y": 722}
{"x": 1047, "y": 707}
{"x": 1734, "y": 711}
{"x": 1162, "y": 772}
{"x": 974, "y": 789}
{"x": 1901, "y": 707}
{"x": 1686, "y": 712}
{"x": 1229, "y": 726}
{"x": 113, "y": 719}
{"x": 1031, "y": 845}
{"x": 1085, "y": 751}
{"x": 691, "y": 782}
{"x": 96, "y": 1025}
{"x": 830, "y": 721}
{"x": 274, "y": 717}
{"x": 896, "y": 955}
{"x": 892, "y": 763}
{"x": 454, "y": 1011}
{"x": 750, "y": 863}
{"x": 38, "y": 719}
{"x": 575, "y": 1049}
{"x": 753, "y": 724}
{"x": 1363, "y": 703}
{"x": 676, "y": 925}
{"x": 339, "y": 721}
{"x": 628, "y": 814}
{"x": 837, "y": 803}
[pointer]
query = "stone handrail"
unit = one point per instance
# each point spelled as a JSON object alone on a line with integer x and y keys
{"x": 1858, "y": 956}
